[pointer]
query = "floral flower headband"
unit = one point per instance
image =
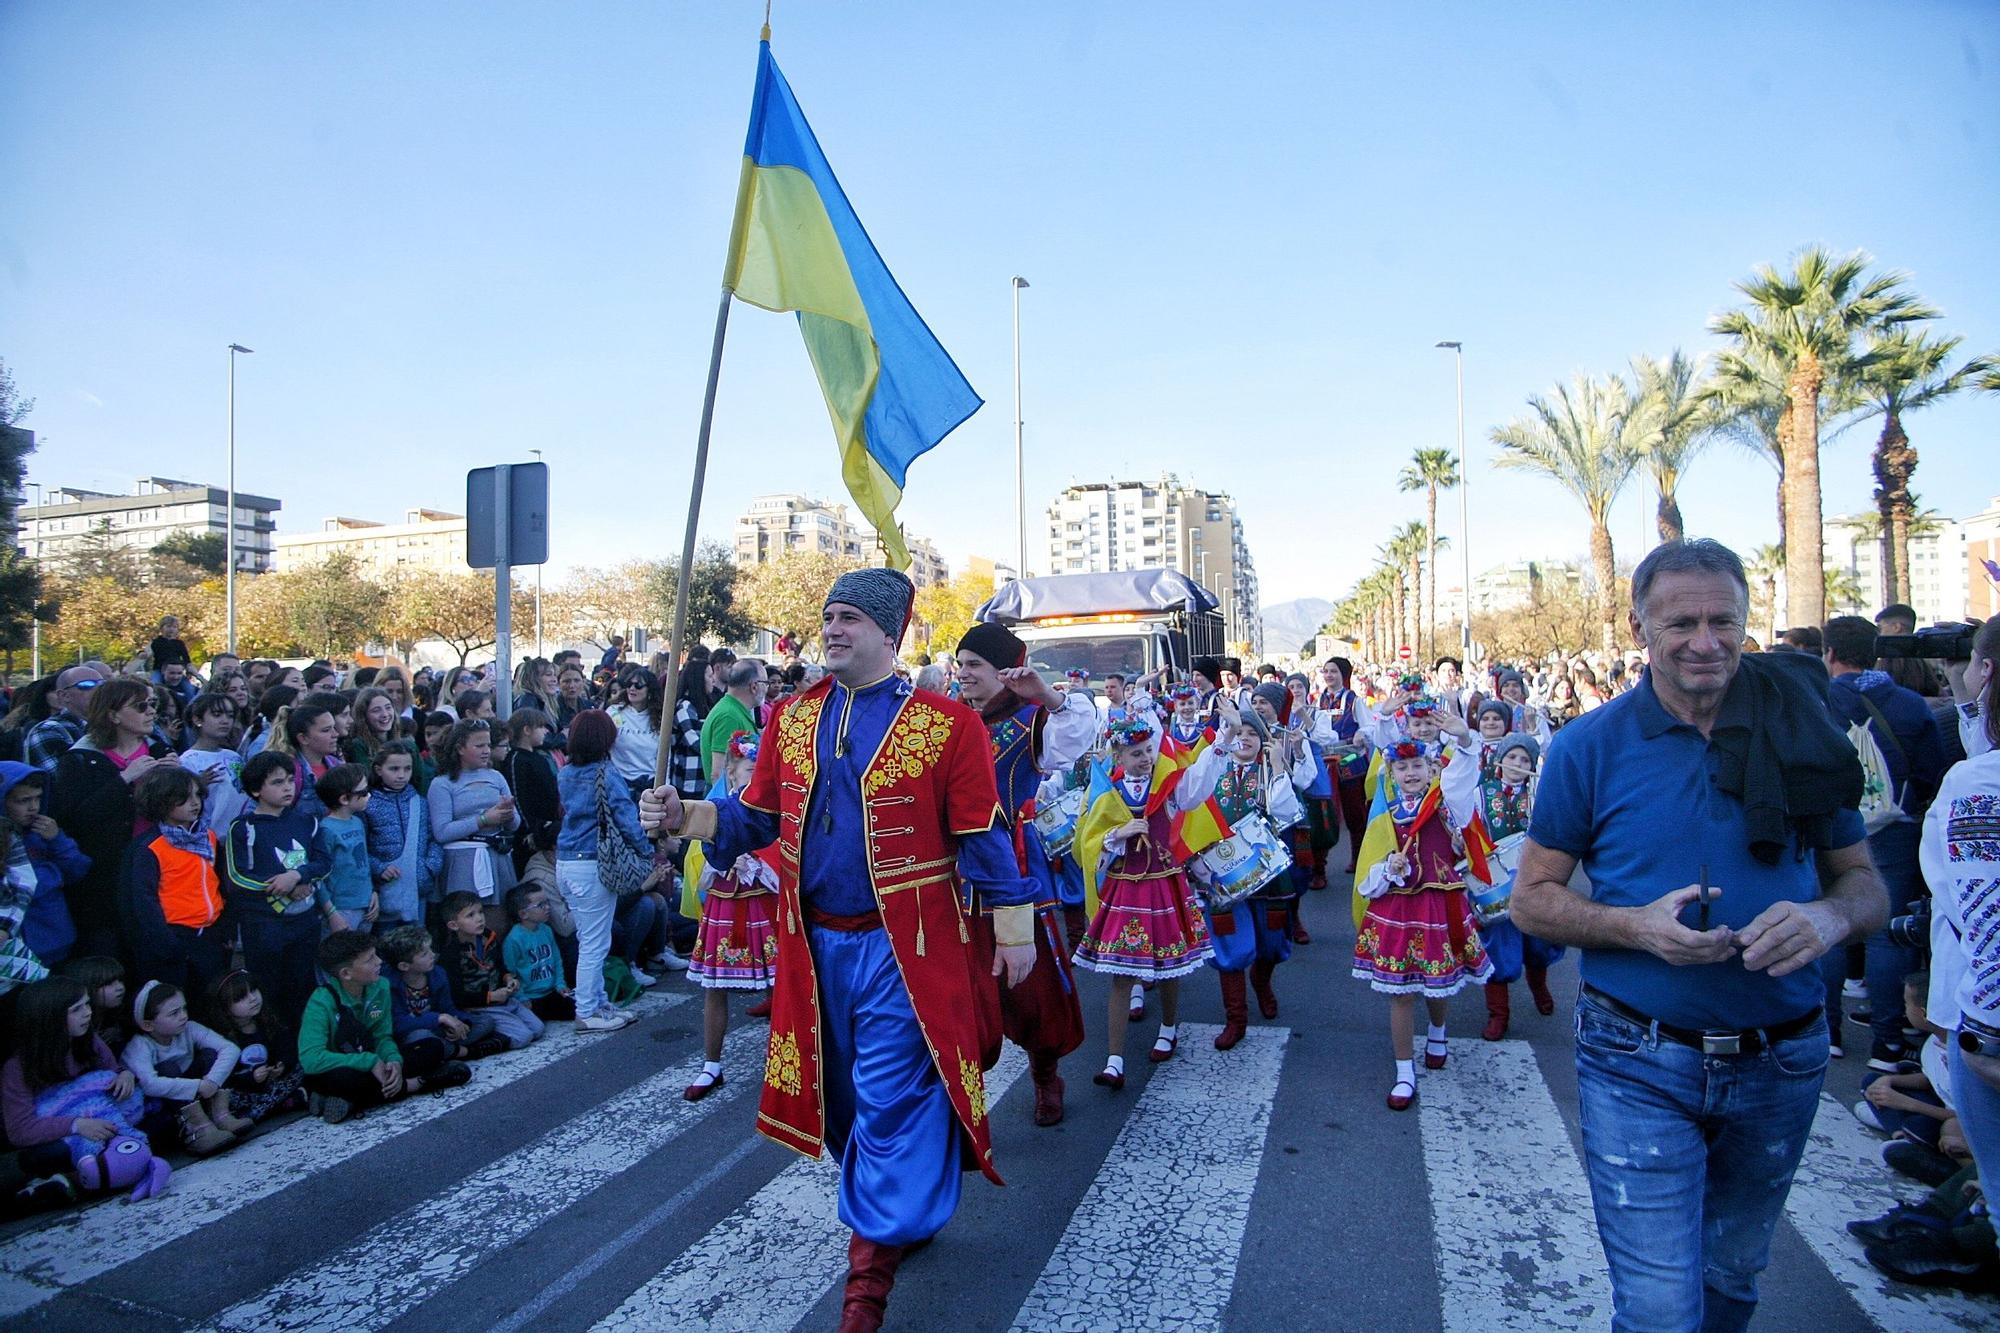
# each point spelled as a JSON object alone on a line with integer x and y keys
{"x": 1130, "y": 731}
{"x": 1184, "y": 694}
{"x": 743, "y": 745}
{"x": 1404, "y": 749}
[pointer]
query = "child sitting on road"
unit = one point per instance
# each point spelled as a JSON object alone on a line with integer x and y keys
{"x": 347, "y": 1044}
{"x": 41, "y": 861}
{"x": 420, "y": 1003}
{"x": 183, "y": 1066}
{"x": 346, "y": 896}
{"x": 479, "y": 985}
{"x": 266, "y": 1081}
{"x": 530, "y": 953}
{"x": 104, "y": 979}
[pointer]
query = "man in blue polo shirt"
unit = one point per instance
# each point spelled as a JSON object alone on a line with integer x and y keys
{"x": 1700, "y": 1040}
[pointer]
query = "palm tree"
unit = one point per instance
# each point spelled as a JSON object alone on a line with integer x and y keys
{"x": 1907, "y": 371}
{"x": 1808, "y": 322}
{"x": 1746, "y": 396}
{"x": 1765, "y": 567}
{"x": 1672, "y": 422}
{"x": 1430, "y": 471}
{"x": 1577, "y": 439}
{"x": 1402, "y": 588}
{"x": 1843, "y": 589}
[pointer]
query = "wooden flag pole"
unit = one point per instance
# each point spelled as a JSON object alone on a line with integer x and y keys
{"x": 670, "y": 687}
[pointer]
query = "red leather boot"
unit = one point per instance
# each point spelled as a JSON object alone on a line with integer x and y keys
{"x": 871, "y": 1272}
{"x": 1260, "y": 981}
{"x": 1499, "y": 1009}
{"x": 1048, "y": 1093}
{"x": 1538, "y": 986}
{"x": 1235, "y": 1010}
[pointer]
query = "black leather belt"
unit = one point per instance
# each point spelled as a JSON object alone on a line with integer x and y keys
{"x": 1747, "y": 1041}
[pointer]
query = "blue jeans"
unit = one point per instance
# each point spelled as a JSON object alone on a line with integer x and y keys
{"x": 1690, "y": 1158}
{"x": 1978, "y": 1114}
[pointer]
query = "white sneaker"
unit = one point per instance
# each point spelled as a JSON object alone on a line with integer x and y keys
{"x": 645, "y": 979}
{"x": 604, "y": 1020}
{"x": 1854, "y": 989}
{"x": 671, "y": 961}
{"x": 625, "y": 1014}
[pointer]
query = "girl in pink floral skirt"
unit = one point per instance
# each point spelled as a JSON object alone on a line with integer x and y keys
{"x": 1148, "y": 924}
{"x": 737, "y": 948}
{"x": 1417, "y": 937}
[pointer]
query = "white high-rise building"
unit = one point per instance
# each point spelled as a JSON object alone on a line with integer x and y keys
{"x": 778, "y": 524}
{"x": 1937, "y": 567}
{"x": 157, "y": 508}
{"x": 1096, "y": 527}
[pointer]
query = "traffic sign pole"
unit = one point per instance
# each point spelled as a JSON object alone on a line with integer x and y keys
{"x": 503, "y": 608}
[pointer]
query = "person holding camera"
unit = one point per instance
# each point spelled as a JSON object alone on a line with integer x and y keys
{"x": 1961, "y": 861}
{"x": 1907, "y": 735}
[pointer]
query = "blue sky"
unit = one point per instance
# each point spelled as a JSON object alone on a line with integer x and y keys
{"x": 455, "y": 232}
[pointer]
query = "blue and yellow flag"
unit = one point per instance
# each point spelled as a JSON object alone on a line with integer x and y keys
{"x": 891, "y": 388}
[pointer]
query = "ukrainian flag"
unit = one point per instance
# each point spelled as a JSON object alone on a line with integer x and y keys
{"x": 795, "y": 244}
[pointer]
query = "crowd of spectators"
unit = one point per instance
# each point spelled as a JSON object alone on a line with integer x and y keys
{"x": 237, "y": 896}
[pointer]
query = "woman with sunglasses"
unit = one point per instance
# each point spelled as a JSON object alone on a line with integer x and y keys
{"x": 91, "y": 799}
{"x": 634, "y": 704}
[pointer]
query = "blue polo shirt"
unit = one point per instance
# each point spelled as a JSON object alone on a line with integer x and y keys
{"x": 1634, "y": 795}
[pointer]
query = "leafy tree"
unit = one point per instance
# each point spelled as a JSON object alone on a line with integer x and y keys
{"x": 1808, "y": 323}
{"x": 100, "y": 618}
{"x": 15, "y": 446}
{"x": 264, "y": 624}
{"x": 202, "y": 551}
{"x": 944, "y": 611}
{"x": 787, "y": 594}
{"x": 593, "y": 604}
{"x": 99, "y": 554}
{"x": 1430, "y": 471}
{"x": 1556, "y": 618}
{"x": 21, "y": 603}
{"x": 1765, "y": 567}
{"x": 331, "y": 608}
{"x": 713, "y": 596}
{"x": 1843, "y": 590}
{"x": 1577, "y": 439}
{"x": 456, "y": 608}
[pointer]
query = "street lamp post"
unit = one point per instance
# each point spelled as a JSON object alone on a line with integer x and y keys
{"x": 229, "y": 518}
{"x": 1464, "y": 527}
{"x": 539, "y": 651}
{"x": 1020, "y": 484}
{"x": 33, "y": 618}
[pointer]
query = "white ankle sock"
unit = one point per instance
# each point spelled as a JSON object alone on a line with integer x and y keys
{"x": 711, "y": 1066}
{"x": 1436, "y": 1032}
{"x": 1169, "y": 1031}
{"x": 1115, "y": 1063}
{"x": 1138, "y": 993}
{"x": 1406, "y": 1072}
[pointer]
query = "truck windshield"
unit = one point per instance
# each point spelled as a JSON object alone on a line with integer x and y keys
{"x": 1099, "y": 654}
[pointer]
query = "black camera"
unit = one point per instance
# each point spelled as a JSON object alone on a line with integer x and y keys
{"x": 1912, "y": 930}
{"x": 1943, "y": 643}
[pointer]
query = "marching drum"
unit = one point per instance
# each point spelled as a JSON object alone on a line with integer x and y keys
{"x": 1056, "y": 822}
{"x": 1240, "y": 864}
{"x": 1490, "y": 901}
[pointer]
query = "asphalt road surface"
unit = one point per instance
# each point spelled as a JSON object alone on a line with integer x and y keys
{"x": 570, "y": 1187}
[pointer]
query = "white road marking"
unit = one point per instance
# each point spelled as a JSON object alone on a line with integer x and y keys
{"x": 1841, "y": 1179}
{"x": 77, "y": 1247}
{"x": 406, "y": 1259}
{"x": 1155, "y": 1240}
{"x": 1516, "y": 1237}
{"x": 771, "y": 1261}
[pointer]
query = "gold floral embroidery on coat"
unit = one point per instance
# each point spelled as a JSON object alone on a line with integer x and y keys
{"x": 781, "y": 1065}
{"x": 975, "y": 1088}
{"x": 796, "y": 726}
{"x": 916, "y": 742}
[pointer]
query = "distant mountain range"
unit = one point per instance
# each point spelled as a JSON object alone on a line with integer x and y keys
{"x": 1288, "y": 625}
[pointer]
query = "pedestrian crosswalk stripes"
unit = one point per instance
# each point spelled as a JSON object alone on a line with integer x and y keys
{"x": 1164, "y": 1191}
{"x": 412, "y": 1255}
{"x": 1841, "y": 1178}
{"x": 72, "y": 1248}
{"x": 1155, "y": 1240}
{"x": 1517, "y": 1242}
{"x": 788, "y": 1233}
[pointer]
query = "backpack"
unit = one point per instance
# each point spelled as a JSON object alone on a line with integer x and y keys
{"x": 1881, "y": 804}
